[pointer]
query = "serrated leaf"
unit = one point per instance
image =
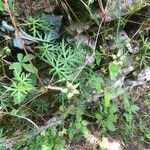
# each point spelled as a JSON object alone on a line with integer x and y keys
{"x": 96, "y": 81}
{"x": 114, "y": 70}
{"x": 16, "y": 67}
{"x": 28, "y": 57}
{"x": 30, "y": 68}
{"x": 18, "y": 97}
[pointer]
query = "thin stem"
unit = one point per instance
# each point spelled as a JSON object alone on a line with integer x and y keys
{"x": 91, "y": 55}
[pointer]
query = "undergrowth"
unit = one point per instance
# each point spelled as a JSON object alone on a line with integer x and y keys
{"x": 60, "y": 78}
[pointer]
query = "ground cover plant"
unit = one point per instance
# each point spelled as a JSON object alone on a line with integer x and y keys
{"x": 74, "y": 74}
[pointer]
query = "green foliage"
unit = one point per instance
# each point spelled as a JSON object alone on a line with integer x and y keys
{"x": 64, "y": 66}
{"x": 108, "y": 114}
{"x": 127, "y": 118}
{"x": 22, "y": 83}
{"x": 107, "y": 117}
{"x": 145, "y": 52}
{"x": 4, "y": 97}
{"x": 114, "y": 70}
{"x": 63, "y": 58}
{"x": 20, "y": 87}
{"x": 41, "y": 104}
{"x": 107, "y": 98}
{"x": 47, "y": 140}
{"x": 23, "y": 63}
{"x": 96, "y": 82}
{"x": 2, "y": 139}
{"x": 78, "y": 124}
{"x": 36, "y": 24}
{"x": 144, "y": 127}
{"x": 1, "y": 6}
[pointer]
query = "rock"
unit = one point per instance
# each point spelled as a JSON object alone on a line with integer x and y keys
{"x": 144, "y": 75}
{"x": 113, "y": 145}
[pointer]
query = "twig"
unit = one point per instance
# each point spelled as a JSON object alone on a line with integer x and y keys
{"x": 26, "y": 36}
{"x": 91, "y": 55}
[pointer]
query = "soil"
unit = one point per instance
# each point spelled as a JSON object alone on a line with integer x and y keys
{"x": 30, "y": 7}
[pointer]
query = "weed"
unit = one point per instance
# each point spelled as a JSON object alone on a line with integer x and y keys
{"x": 47, "y": 140}
{"x": 41, "y": 104}
{"x": 36, "y": 24}
{"x": 79, "y": 91}
{"x": 22, "y": 63}
{"x": 145, "y": 52}
{"x": 20, "y": 87}
{"x": 63, "y": 59}
{"x": 78, "y": 124}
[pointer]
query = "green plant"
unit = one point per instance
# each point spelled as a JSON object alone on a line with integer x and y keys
{"x": 1, "y": 5}
{"x": 79, "y": 92}
{"x": 114, "y": 70}
{"x": 2, "y": 139}
{"x": 144, "y": 128}
{"x": 47, "y": 140}
{"x": 128, "y": 119}
{"x": 36, "y": 24}
{"x": 41, "y": 104}
{"x": 64, "y": 59}
{"x": 78, "y": 124}
{"x": 4, "y": 97}
{"x": 145, "y": 52}
{"x": 20, "y": 87}
{"x": 107, "y": 117}
{"x": 23, "y": 63}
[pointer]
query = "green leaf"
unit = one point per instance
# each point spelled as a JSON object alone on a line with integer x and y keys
{"x": 96, "y": 81}
{"x": 20, "y": 57}
{"x": 21, "y": 86}
{"x": 107, "y": 98}
{"x": 16, "y": 67}
{"x": 47, "y": 146}
{"x": 30, "y": 68}
{"x": 111, "y": 126}
{"x": 98, "y": 58}
{"x": 59, "y": 144}
{"x": 33, "y": 78}
{"x": 28, "y": 57}
{"x": 1, "y": 6}
{"x": 18, "y": 98}
{"x": 114, "y": 70}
